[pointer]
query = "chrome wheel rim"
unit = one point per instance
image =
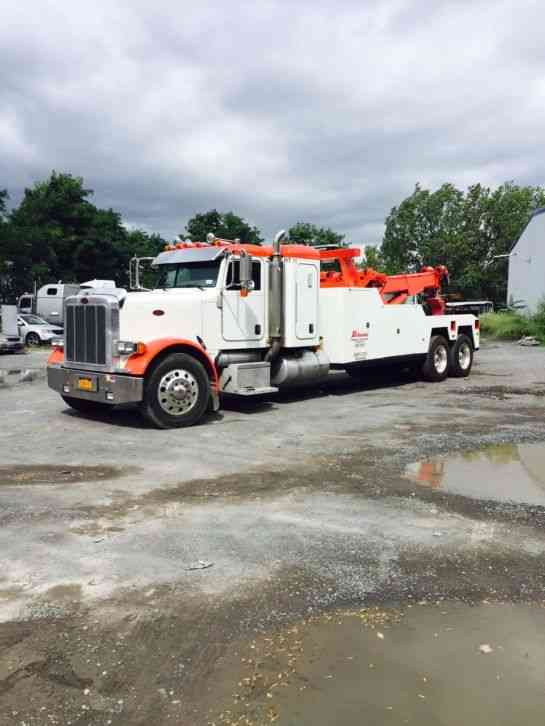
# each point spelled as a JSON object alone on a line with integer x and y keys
{"x": 177, "y": 392}
{"x": 464, "y": 356}
{"x": 440, "y": 359}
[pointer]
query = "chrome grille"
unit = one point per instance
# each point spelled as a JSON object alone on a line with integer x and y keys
{"x": 85, "y": 334}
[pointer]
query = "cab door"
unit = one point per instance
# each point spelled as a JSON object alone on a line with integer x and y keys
{"x": 306, "y": 305}
{"x": 243, "y": 318}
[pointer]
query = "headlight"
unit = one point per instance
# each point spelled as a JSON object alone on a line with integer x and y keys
{"x": 127, "y": 347}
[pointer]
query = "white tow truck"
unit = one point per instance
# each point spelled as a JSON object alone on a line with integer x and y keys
{"x": 247, "y": 320}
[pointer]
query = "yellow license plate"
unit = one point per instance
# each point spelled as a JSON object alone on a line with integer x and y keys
{"x": 86, "y": 384}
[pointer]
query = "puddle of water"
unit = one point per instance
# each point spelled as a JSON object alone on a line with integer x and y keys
{"x": 448, "y": 665}
{"x": 506, "y": 472}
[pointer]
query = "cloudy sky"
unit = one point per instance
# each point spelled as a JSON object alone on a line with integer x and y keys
{"x": 281, "y": 111}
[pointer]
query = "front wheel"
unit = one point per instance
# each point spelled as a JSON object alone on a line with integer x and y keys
{"x": 435, "y": 367}
{"x": 177, "y": 392}
{"x": 33, "y": 340}
{"x": 461, "y": 357}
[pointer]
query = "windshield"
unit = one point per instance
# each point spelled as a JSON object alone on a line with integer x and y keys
{"x": 34, "y": 320}
{"x": 189, "y": 274}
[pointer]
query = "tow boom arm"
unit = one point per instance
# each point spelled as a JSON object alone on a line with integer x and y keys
{"x": 394, "y": 289}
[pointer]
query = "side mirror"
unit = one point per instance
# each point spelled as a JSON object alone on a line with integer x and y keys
{"x": 246, "y": 282}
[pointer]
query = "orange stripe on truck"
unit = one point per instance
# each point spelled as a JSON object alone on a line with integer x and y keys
{"x": 138, "y": 363}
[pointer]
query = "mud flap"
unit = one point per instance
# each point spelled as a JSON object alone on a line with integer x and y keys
{"x": 214, "y": 402}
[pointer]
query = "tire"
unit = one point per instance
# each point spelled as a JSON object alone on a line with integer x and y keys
{"x": 436, "y": 366}
{"x": 84, "y": 406}
{"x": 33, "y": 340}
{"x": 177, "y": 392}
{"x": 461, "y": 357}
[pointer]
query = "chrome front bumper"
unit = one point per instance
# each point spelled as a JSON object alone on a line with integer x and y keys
{"x": 110, "y": 387}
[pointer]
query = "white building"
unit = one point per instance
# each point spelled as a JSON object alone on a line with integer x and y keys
{"x": 526, "y": 282}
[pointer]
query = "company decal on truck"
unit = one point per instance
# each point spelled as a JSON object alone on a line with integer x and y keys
{"x": 359, "y": 339}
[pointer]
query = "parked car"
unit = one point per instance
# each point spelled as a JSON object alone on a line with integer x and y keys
{"x": 35, "y": 330}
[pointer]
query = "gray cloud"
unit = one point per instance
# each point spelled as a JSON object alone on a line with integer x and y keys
{"x": 320, "y": 111}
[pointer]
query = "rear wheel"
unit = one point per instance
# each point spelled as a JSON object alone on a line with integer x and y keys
{"x": 436, "y": 365}
{"x": 461, "y": 357}
{"x": 84, "y": 406}
{"x": 177, "y": 392}
{"x": 33, "y": 339}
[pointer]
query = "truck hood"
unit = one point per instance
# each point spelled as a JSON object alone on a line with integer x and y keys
{"x": 182, "y": 292}
{"x": 147, "y": 316}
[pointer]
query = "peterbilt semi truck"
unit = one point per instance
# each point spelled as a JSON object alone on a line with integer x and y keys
{"x": 226, "y": 318}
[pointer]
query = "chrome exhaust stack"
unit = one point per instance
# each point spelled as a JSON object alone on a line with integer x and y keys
{"x": 276, "y": 297}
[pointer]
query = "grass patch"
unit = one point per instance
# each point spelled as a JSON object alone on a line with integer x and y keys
{"x": 512, "y": 325}
{"x": 507, "y": 326}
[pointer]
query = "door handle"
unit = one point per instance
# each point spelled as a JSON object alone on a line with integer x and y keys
{"x": 257, "y": 329}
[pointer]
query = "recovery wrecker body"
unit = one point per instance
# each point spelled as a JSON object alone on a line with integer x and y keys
{"x": 229, "y": 318}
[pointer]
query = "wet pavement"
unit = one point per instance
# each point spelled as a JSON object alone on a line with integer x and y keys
{"x": 429, "y": 665}
{"x": 318, "y": 531}
{"x": 503, "y": 473}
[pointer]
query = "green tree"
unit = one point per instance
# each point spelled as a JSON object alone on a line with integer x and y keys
{"x": 4, "y": 196}
{"x": 5, "y": 261}
{"x": 57, "y": 233}
{"x": 99, "y": 250}
{"x": 226, "y": 225}
{"x": 464, "y": 231}
{"x": 138, "y": 243}
{"x": 306, "y": 233}
{"x": 16, "y": 258}
{"x": 142, "y": 244}
{"x": 52, "y": 220}
{"x": 373, "y": 258}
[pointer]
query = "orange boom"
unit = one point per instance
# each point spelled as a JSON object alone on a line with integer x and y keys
{"x": 394, "y": 289}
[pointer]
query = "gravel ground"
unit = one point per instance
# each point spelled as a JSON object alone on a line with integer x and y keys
{"x": 30, "y": 358}
{"x": 132, "y": 559}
